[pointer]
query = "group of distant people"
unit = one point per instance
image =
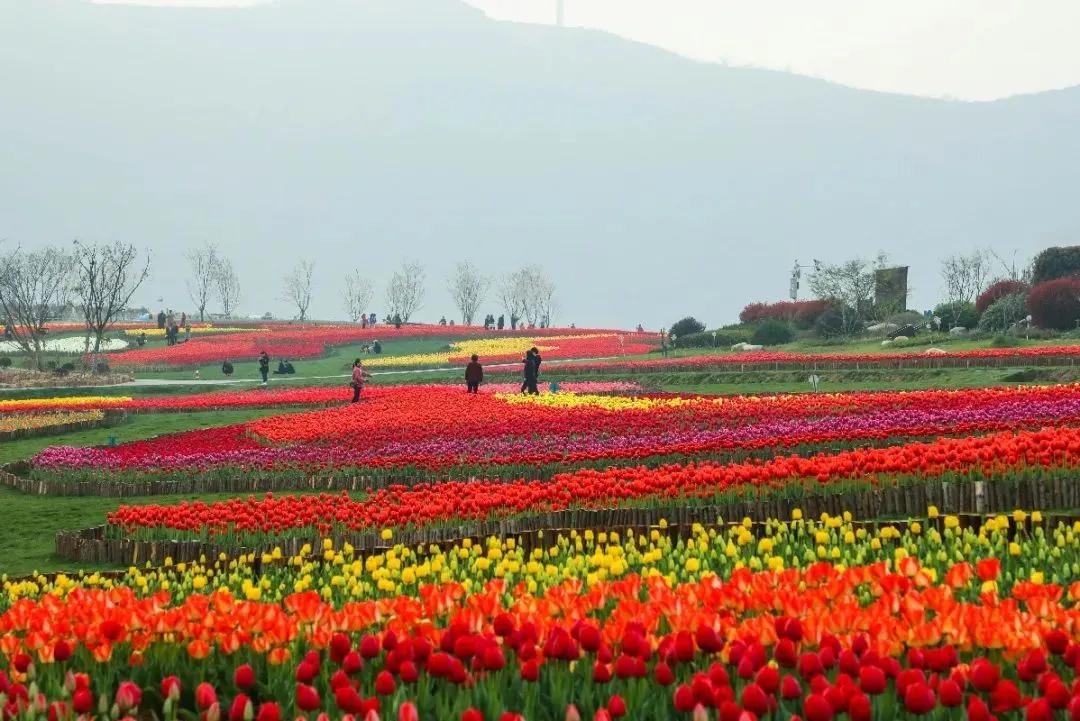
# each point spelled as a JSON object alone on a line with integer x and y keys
{"x": 172, "y": 328}
{"x": 474, "y": 374}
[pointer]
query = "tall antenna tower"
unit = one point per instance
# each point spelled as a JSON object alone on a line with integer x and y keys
{"x": 559, "y": 12}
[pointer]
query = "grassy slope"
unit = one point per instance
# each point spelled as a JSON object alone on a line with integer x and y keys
{"x": 30, "y": 522}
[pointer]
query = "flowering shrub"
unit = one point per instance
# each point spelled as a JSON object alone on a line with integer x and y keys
{"x": 802, "y": 312}
{"x": 999, "y": 290}
{"x": 1055, "y": 303}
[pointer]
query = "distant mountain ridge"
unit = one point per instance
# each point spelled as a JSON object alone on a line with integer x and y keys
{"x": 361, "y": 132}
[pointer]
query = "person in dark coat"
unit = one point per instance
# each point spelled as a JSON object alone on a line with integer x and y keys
{"x": 264, "y": 366}
{"x": 474, "y": 375}
{"x": 526, "y": 363}
{"x": 532, "y": 362}
{"x": 536, "y": 371}
{"x": 161, "y": 320}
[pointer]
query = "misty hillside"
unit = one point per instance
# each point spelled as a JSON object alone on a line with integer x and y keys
{"x": 360, "y": 132}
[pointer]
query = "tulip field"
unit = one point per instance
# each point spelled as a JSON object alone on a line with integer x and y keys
{"x": 601, "y": 550}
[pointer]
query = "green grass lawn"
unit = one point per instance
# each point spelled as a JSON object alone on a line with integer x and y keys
{"x": 31, "y": 522}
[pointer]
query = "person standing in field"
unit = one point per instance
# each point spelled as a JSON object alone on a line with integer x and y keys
{"x": 536, "y": 361}
{"x": 264, "y": 366}
{"x": 526, "y": 363}
{"x": 357, "y": 382}
{"x": 532, "y": 372}
{"x": 474, "y": 375}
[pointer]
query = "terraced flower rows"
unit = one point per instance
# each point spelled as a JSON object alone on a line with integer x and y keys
{"x": 437, "y": 432}
{"x": 940, "y": 615}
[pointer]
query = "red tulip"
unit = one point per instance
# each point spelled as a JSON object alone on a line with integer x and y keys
{"x": 307, "y": 698}
{"x": 384, "y": 683}
{"x": 984, "y": 675}
{"x": 244, "y": 677}
{"x": 919, "y": 698}
{"x": 269, "y": 711}
{"x": 872, "y": 680}
{"x": 128, "y": 696}
{"x": 816, "y": 708}
{"x": 340, "y": 645}
{"x": 205, "y": 696}
{"x": 82, "y": 701}
{"x": 684, "y": 699}
{"x": 407, "y": 712}
{"x": 347, "y": 699}
{"x": 950, "y": 694}
{"x": 369, "y": 647}
{"x": 663, "y": 674}
{"x": 860, "y": 708}
{"x": 1039, "y": 710}
{"x": 241, "y": 709}
{"x": 61, "y": 651}
{"x": 170, "y": 687}
{"x": 754, "y": 699}
{"x": 472, "y": 714}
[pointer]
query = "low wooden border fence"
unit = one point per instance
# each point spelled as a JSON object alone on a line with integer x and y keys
{"x": 94, "y": 545}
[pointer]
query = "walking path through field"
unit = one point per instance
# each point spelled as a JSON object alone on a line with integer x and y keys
{"x": 294, "y": 378}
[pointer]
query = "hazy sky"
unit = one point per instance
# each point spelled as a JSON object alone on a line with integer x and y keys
{"x": 969, "y": 49}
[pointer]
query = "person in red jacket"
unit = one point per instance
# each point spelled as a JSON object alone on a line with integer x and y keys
{"x": 474, "y": 375}
{"x": 357, "y": 382}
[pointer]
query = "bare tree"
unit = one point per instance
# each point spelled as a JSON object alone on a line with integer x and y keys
{"x": 468, "y": 289}
{"x": 204, "y": 263}
{"x": 528, "y": 294}
{"x": 106, "y": 276}
{"x": 1012, "y": 271}
{"x": 405, "y": 293}
{"x": 297, "y": 290}
{"x": 33, "y": 287}
{"x": 227, "y": 285}
{"x": 358, "y": 294}
{"x": 513, "y": 292}
{"x": 850, "y": 284}
{"x": 539, "y": 294}
{"x": 965, "y": 276}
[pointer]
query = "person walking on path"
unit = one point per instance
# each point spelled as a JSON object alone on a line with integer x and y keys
{"x": 264, "y": 366}
{"x": 357, "y": 382}
{"x": 474, "y": 375}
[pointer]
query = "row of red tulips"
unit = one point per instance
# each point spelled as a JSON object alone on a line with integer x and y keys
{"x": 1047, "y": 452}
